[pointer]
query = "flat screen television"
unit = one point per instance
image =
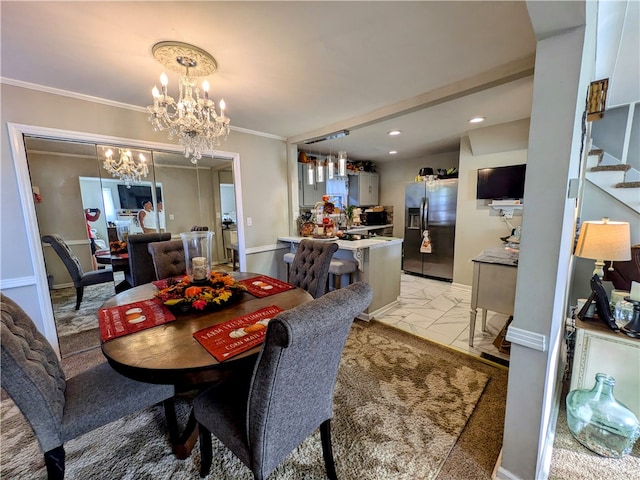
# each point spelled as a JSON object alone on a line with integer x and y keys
{"x": 132, "y": 198}
{"x": 501, "y": 183}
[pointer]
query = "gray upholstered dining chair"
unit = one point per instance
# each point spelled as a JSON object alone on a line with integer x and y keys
{"x": 60, "y": 409}
{"x": 168, "y": 258}
{"x": 79, "y": 277}
{"x": 141, "y": 269}
{"x": 310, "y": 266}
{"x": 262, "y": 418}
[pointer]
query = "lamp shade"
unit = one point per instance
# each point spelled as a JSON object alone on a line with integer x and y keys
{"x": 604, "y": 240}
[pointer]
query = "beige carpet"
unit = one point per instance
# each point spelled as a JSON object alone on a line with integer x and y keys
{"x": 573, "y": 461}
{"x": 401, "y": 404}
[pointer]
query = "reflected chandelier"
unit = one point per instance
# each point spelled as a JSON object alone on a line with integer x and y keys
{"x": 126, "y": 167}
{"x": 192, "y": 119}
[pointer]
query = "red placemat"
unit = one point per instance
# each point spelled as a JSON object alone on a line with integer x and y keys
{"x": 236, "y": 335}
{"x": 263, "y": 286}
{"x": 133, "y": 317}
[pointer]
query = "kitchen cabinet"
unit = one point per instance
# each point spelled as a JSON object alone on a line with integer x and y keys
{"x": 309, "y": 195}
{"x": 363, "y": 189}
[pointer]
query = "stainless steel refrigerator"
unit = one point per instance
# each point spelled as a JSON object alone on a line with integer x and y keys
{"x": 430, "y": 207}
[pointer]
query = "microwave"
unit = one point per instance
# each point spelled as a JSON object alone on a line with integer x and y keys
{"x": 374, "y": 218}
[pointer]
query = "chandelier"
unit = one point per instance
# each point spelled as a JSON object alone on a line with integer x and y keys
{"x": 193, "y": 119}
{"x": 126, "y": 167}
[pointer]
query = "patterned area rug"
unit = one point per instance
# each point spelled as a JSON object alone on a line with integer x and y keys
{"x": 75, "y": 325}
{"x": 400, "y": 405}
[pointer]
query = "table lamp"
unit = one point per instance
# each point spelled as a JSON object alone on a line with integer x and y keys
{"x": 604, "y": 240}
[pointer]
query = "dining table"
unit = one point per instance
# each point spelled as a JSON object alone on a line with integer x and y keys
{"x": 169, "y": 354}
{"x": 119, "y": 263}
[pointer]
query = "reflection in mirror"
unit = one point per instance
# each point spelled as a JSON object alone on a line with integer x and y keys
{"x": 72, "y": 181}
{"x": 58, "y": 169}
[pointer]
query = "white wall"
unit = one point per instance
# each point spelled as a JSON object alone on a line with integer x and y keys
{"x": 478, "y": 226}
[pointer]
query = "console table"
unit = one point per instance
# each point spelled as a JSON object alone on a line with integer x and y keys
{"x": 494, "y": 285}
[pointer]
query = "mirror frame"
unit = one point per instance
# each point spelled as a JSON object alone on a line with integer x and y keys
{"x": 16, "y": 133}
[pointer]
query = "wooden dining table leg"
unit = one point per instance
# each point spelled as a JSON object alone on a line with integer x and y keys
{"x": 184, "y": 442}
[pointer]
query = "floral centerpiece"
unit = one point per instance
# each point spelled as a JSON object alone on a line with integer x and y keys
{"x": 118, "y": 247}
{"x": 182, "y": 295}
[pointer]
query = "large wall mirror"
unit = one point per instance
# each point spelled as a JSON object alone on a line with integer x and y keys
{"x": 94, "y": 209}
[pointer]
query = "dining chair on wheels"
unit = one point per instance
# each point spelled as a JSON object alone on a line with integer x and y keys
{"x": 79, "y": 277}
{"x": 168, "y": 258}
{"x": 141, "y": 269}
{"x": 263, "y": 417}
{"x": 60, "y": 409}
{"x": 310, "y": 266}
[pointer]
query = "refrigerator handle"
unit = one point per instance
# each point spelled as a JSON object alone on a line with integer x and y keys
{"x": 424, "y": 215}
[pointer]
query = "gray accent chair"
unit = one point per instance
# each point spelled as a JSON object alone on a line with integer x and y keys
{"x": 168, "y": 258}
{"x": 57, "y": 409}
{"x": 79, "y": 277}
{"x": 310, "y": 266}
{"x": 263, "y": 418}
{"x": 141, "y": 269}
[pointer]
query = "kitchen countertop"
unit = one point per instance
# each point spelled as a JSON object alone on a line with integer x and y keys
{"x": 370, "y": 243}
{"x": 367, "y": 228}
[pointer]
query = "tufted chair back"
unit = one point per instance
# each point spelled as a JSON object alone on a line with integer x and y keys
{"x": 141, "y": 269}
{"x": 168, "y": 258}
{"x": 79, "y": 277}
{"x": 60, "y": 409}
{"x": 310, "y": 267}
{"x": 66, "y": 255}
{"x": 290, "y": 393}
{"x": 31, "y": 374}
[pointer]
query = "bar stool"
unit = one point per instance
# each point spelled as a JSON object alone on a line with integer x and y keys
{"x": 337, "y": 268}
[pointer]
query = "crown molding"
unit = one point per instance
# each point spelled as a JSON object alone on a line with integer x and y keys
{"x": 111, "y": 103}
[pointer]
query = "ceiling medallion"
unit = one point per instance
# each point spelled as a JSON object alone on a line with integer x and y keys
{"x": 193, "y": 119}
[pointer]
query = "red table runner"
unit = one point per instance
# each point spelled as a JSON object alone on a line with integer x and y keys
{"x": 237, "y": 335}
{"x": 263, "y": 286}
{"x": 117, "y": 321}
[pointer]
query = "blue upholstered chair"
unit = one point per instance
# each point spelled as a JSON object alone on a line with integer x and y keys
{"x": 264, "y": 417}
{"x": 57, "y": 409}
{"x": 310, "y": 266}
{"x": 79, "y": 277}
{"x": 168, "y": 258}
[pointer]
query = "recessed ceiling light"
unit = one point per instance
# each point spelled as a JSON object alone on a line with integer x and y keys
{"x": 393, "y": 152}
{"x": 477, "y": 119}
{"x": 395, "y": 132}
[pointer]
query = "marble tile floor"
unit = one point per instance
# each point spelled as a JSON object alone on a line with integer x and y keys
{"x": 439, "y": 311}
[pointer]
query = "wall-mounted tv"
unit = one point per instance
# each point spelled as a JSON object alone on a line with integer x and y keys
{"x": 501, "y": 182}
{"x": 132, "y": 198}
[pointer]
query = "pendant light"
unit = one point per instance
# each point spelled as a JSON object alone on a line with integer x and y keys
{"x": 331, "y": 167}
{"x": 342, "y": 163}
{"x": 311, "y": 176}
{"x": 320, "y": 170}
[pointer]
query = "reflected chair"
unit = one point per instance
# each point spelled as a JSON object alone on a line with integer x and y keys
{"x": 168, "y": 258}
{"x": 60, "y": 409}
{"x": 310, "y": 266}
{"x": 79, "y": 277}
{"x": 263, "y": 418}
{"x": 141, "y": 269}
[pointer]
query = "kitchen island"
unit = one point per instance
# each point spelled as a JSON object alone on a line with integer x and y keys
{"x": 379, "y": 261}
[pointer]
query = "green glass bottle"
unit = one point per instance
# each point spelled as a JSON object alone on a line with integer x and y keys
{"x": 599, "y": 422}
